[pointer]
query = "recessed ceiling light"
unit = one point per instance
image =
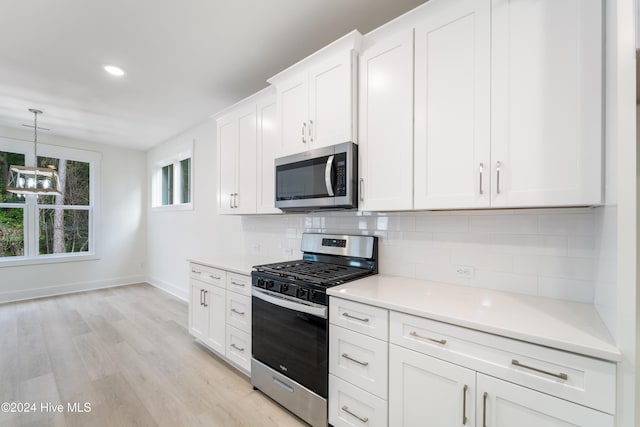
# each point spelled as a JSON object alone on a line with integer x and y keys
{"x": 113, "y": 70}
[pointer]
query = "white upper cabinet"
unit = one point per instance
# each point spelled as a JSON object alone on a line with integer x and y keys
{"x": 268, "y": 150}
{"x": 452, "y": 105}
{"x": 316, "y": 98}
{"x": 546, "y": 110}
{"x": 227, "y": 162}
{"x": 237, "y": 143}
{"x": 248, "y": 142}
{"x": 385, "y": 147}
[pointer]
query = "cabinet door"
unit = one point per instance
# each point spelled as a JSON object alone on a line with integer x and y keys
{"x": 424, "y": 390}
{"x": 227, "y": 163}
{"x": 293, "y": 105}
{"x": 452, "y": 102}
{"x": 215, "y": 303}
{"x": 385, "y": 141}
{"x": 245, "y": 201}
{"x": 268, "y": 149}
{"x": 503, "y": 404}
{"x": 546, "y": 102}
{"x": 332, "y": 101}
{"x": 198, "y": 313}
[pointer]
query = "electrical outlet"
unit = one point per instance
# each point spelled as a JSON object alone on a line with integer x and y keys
{"x": 465, "y": 271}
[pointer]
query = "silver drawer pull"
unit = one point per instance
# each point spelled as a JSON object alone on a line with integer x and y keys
{"x": 346, "y": 409}
{"x": 237, "y": 348}
{"x": 356, "y": 318}
{"x": 241, "y": 313}
{"x": 196, "y": 271}
{"x": 346, "y": 356}
{"x": 415, "y": 334}
{"x": 215, "y": 277}
{"x": 561, "y": 375}
{"x": 233, "y": 282}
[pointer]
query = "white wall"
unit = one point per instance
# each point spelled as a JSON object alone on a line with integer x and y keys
{"x": 176, "y": 235}
{"x": 120, "y": 235}
{"x": 548, "y": 252}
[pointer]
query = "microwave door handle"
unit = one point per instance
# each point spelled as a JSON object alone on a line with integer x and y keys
{"x": 327, "y": 175}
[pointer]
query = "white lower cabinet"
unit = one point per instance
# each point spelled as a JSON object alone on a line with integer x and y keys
{"x": 352, "y": 406}
{"x": 220, "y": 313}
{"x": 443, "y": 375}
{"x": 500, "y": 403}
{"x": 425, "y": 388}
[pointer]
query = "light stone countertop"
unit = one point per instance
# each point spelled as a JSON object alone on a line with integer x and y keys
{"x": 565, "y": 325}
{"x": 241, "y": 264}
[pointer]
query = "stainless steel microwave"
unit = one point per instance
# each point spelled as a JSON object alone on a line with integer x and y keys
{"x": 323, "y": 178}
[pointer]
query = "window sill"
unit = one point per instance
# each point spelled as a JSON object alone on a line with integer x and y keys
{"x": 46, "y": 259}
{"x": 170, "y": 208}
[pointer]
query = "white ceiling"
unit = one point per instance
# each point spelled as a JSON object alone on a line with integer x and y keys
{"x": 184, "y": 60}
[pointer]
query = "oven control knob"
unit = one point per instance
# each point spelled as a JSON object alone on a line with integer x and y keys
{"x": 270, "y": 284}
{"x": 260, "y": 283}
{"x": 284, "y": 288}
{"x": 303, "y": 293}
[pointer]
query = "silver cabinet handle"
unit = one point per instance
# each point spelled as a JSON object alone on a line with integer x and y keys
{"x": 346, "y": 356}
{"x": 205, "y": 299}
{"x": 233, "y": 282}
{"x": 561, "y": 375}
{"x": 215, "y": 277}
{"x": 304, "y": 131}
{"x": 193, "y": 270}
{"x": 237, "y": 348}
{"x": 362, "y": 319}
{"x": 498, "y": 165}
{"x": 201, "y": 296}
{"x": 241, "y": 313}
{"x": 231, "y": 200}
{"x": 362, "y": 189}
{"x": 415, "y": 334}
{"x": 464, "y": 405}
{"x": 311, "y": 131}
{"x": 346, "y": 409}
{"x": 484, "y": 409}
{"x": 235, "y": 200}
{"x": 481, "y": 171}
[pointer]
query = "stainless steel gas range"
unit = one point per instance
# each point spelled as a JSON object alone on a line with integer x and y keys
{"x": 290, "y": 326}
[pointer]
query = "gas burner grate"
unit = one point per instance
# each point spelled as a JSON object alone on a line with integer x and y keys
{"x": 319, "y": 273}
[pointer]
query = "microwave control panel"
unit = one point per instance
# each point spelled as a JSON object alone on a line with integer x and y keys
{"x": 341, "y": 175}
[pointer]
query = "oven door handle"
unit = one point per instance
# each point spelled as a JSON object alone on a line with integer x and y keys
{"x": 327, "y": 175}
{"x": 319, "y": 311}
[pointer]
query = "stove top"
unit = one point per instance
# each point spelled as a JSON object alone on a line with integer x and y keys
{"x": 316, "y": 272}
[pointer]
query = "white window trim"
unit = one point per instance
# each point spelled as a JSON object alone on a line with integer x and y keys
{"x": 183, "y": 152}
{"x": 32, "y": 209}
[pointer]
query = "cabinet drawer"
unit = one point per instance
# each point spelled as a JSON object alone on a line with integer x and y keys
{"x": 239, "y": 311}
{"x": 352, "y": 406}
{"x": 580, "y": 379}
{"x": 209, "y": 275}
{"x": 239, "y": 283}
{"x": 366, "y": 319}
{"x": 239, "y": 348}
{"x": 359, "y": 359}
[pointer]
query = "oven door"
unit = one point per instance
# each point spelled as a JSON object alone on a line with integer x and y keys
{"x": 290, "y": 336}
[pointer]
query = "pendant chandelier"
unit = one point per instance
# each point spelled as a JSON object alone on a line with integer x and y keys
{"x": 25, "y": 180}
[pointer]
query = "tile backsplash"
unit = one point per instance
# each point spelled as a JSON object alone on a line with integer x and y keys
{"x": 546, "y": 252}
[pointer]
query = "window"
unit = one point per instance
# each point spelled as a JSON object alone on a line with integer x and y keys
{"x": 172, "y": 181}
{"x": 48, "y": 227}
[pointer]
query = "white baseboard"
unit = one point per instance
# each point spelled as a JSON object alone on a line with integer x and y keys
{"x": 49, "y": 291}
{"x": 169, "y": 288}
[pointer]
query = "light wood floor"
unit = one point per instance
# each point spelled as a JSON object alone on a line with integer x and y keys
{"x": 127, "y": 352}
